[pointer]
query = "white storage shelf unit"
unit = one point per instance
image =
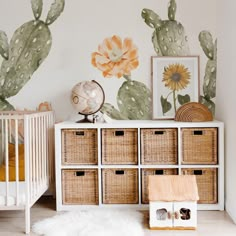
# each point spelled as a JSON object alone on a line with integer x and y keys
{"x": 98, "y": 171}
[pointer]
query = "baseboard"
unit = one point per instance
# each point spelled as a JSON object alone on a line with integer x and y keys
{"x": 230, "y": 208}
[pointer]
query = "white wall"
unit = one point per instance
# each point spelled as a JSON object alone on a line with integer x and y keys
{"x": 82, "y": 27}
{"x": 226, "y": 94}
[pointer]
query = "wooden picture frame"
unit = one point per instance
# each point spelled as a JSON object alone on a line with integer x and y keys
{"x": 175, "y": 81}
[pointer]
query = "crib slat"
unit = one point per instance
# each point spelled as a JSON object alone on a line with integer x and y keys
{"x": 6, "y": 162}
{"x": 33, "y": 157}
{"x": 30, "y": 150}
{"x": 17, "y": 161}
{"x": 37, "y": 154}
{"x": 27, "y": 163}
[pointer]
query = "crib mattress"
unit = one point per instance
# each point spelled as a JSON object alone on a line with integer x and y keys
{"x": 12, "y": 193}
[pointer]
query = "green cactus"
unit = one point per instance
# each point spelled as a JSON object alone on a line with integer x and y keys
{"x": 28, "y": 48}
{"x": 209, "y": 85}
{"x": 169, "y": 37}
{"x": 112, "y": 112}
{"x": 133, "y": 100}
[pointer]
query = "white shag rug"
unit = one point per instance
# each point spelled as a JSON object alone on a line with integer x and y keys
{"x": 98, "y": 222}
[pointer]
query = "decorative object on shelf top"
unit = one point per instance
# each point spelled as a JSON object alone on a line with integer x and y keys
{"x": 175, "y": 81}
{"x": 87, "y": 98}
{"x": 193, "y": 112}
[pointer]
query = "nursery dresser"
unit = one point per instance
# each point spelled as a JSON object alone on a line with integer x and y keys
{"x": 108, "y": 164}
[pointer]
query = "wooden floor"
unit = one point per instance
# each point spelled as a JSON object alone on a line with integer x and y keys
{"x": 214, "y": 223}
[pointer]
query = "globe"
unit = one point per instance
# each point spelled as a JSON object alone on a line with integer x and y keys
{"x": 87, "y": 98}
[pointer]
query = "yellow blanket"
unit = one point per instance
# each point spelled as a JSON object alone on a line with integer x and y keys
{"x": 12, "y": 164}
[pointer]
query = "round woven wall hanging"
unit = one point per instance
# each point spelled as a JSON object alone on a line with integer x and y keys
{"x": 193, "y": 112}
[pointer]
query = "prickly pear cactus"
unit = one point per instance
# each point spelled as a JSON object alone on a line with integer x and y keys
{"x": 133, "y": 100}
{"x": 28, "y": 48}
{"x": 209, "y": 85}
{"x": 169, "y": 37}
{"x": 112, "y": 112}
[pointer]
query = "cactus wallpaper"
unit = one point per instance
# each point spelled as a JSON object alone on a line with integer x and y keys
{"x": 48, "y": 46}
{"x": 169, "y": 39}
{"x": 27, "y": 49}
{"x": 116, "y": 58}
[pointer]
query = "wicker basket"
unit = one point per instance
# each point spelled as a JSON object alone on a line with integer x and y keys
{"x": 199, "y": 146}
{"x": 120, "y": 186}
{"x": 206, "y": 182}
{"x": 146, "y": 173}
{"x": 159, "y": 146}
{"x": 119, "y": 146}
{"x": 193, "y": 112}
{"x": 80, "y": 186}
{"x": 79, "y": 146}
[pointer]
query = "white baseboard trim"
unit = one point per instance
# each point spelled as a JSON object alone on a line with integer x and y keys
{"x": 231, "y": 210}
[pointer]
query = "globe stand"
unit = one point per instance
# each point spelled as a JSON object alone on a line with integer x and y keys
{"x": 85, "y": 120}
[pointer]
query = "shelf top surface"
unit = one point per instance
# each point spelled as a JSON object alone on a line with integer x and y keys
{"x": 138, "y": 123}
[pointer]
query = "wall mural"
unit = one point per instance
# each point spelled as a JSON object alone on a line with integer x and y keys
{"x": 29, "y": 46}
{"x": 117, "y": 58}
{"x": 169, "y": 39}
{"x": 209, "y": 85}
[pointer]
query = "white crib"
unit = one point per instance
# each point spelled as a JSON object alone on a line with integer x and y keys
{"x": 26, "y": 159}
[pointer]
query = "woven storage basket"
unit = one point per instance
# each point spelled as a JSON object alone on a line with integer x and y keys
{"x": 206, "y": 182}
{"x": 146, "y": 173}
{"x": 80, "y": 186}
{"x": 120, "y": 186}
{"x": 159, "y": 146}
{"x": 119, "y": 146}
{"x": 79, "y": 146}
{"x": 199, "y": 146}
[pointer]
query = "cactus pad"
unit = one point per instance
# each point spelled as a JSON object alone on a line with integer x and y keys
{"x": 112, "y": 112}
{"x": 37, "y": 7}
{"x": 172, "y": 10}
{"x": 29, "y": 46}
{"x": 56, "y": 9}
{"x": 134, "y": 100}
{"x": 172, "y": 39}
{"x": 5, "y": 105}
{"x": 151, "y": 18}
{"x": 207, "y": 44}
{"x": 209, "y": 85}
{"x": 208, "y": 103}
{"x": 155, "y": 44}
{"x": 4, "y": 46}
{"x": 169, "y": 37}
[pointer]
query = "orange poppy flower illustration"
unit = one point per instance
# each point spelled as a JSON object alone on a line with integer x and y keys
{"x": 116, "y": 58}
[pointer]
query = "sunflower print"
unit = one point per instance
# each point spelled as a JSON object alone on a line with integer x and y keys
{"x": 176, "y": 77}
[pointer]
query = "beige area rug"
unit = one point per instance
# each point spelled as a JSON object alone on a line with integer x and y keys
{"x": 98, "y": 222}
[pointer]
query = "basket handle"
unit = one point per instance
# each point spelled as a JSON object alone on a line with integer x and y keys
{"x": 79, "y": 133}
{"x": 197, "y": 132}
{"x": 197, "y": 172}
{"x": 120, "y": 172}
{"x": 119, "y": 133}
{"x": 79, "y": 173}
{"x": 159, "y": 132}
{"x": 159, "y": 172}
